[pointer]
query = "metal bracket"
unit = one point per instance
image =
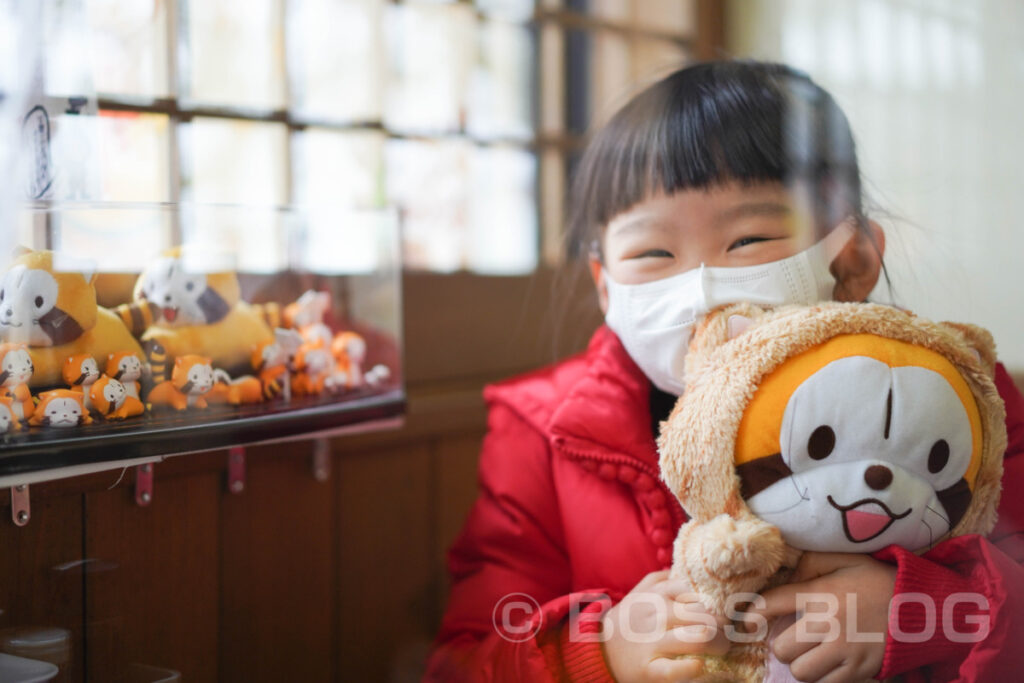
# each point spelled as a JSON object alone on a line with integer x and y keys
{"x": 20, "y": 509}
{"x": 321, "y": 460}
{"x": 236, "y": 469}
{"x": 144, "y": 484}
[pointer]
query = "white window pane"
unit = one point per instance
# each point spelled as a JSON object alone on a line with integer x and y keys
{"x": 501, "y": 96}
{"x": 129, "y": 46}
{"x": 430, "y": 52}
{"x": 114, "y": 240}
{"x": 235, "y": 162}
{"x": 503, "y": 212}
{"x": 610, "y": 10}
{"x": 235, "y": 53}
{"x": 337, "y": 59}
{"x": 428, "y": 182}
{"x": 513, "y": 10}
{"x": 134, "y": 156}
{"x": 247, "y": 239}
{"x": 346, "y": 242}
{"x": 339, "y": 168}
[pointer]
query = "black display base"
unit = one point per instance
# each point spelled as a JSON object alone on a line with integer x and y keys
{"x": 170, "y": 432}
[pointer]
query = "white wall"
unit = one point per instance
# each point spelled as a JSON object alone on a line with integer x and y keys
{"x": 934, "y": 90}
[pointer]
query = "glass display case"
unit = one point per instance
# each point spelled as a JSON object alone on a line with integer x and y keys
{"x": 139, "y": 330}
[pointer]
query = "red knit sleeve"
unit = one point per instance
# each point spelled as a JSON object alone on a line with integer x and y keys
{"x": 959, "y": 611}
{"x": 511, "y": 615}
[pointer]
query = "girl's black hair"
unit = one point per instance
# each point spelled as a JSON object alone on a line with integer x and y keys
{"x": 715, "y": 122}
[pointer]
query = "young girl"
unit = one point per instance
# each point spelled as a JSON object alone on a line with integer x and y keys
{"x": 561, "y": 569}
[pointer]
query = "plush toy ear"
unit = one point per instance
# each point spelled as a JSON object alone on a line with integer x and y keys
{"x": 66, "y": 263}
{"x": 738, "y": 324}
{"x": 718, "y": 327}
{"x": 980, "y": 342}
{"x": 19, "y": 251}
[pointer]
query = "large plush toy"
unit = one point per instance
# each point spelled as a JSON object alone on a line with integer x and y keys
{"x": 182, "y": 307}
{"x": 52, "y": 308}
{"x": 839, "y": 427}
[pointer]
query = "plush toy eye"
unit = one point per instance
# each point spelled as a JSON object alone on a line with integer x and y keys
{"x": 821, "y": 443}
{"x": 938, "y": 457}
{"x": 190, "y": 286}
{"x": 1, "y": 295}
{"x": 39, "y": 302}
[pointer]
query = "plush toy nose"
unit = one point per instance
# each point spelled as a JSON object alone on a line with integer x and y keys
{"x": 878, "y": 477}
{"x": 9, "y": 312}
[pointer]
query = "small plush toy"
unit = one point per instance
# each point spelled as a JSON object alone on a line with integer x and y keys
{"x": 9, "y": 422}
{"x": 127, "y": 368}
{"x": 15, "y": 372}
{"x": 110, "y": 398}
{"x": 306, "y": 316}
{"x": 314, "y": 366}
{"x": 838, "y": 427}
{"x": 349, "y": 349}
{"x": 275, "y": 362}
{"x": 51, "y": 308}
{"x": 181, "y": 309}
{"x": 60, "y": 408}
{"x": 80, "y": 371}
{"x": 191, "y": 378}
{"x": 245, "y": 389}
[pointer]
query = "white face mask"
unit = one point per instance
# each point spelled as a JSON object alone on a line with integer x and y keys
{"x": 655, "y": 320}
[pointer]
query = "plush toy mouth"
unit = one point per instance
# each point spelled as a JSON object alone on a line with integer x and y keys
{"x": 866, "y": 519}
{"x": 7, "y": 324}
{"x": 170, "y": 314}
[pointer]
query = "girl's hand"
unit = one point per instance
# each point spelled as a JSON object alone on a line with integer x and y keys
{"x": 656, "y": 622}
{"x": 841, "y": 641}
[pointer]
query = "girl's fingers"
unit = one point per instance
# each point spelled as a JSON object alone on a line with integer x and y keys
{"x": 816, "y": 663}
{"x": 678, "y": 589}
{"x": 651, "y": 579}
{"x": 671, "y": 670}
{"x": 847, "y": 673}
{"x": 694, "y": 639}
{"x": 787, "y": 646}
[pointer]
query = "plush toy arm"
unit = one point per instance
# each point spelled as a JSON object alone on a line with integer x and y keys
{"x": 727, "y": 556}
{"x": 137, "y": 316}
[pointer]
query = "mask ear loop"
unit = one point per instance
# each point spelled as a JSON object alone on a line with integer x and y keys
{"x": 595, "y": 251}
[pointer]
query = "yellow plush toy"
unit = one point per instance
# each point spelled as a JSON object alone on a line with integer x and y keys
{"x": 52, "y": 308}
{"x": 839, "y": 427}
{"x": 186, "y": 310}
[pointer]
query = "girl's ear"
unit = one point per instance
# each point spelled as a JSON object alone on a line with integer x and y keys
{"x": 858, "y": 265}
{"x": 597, "y": 273}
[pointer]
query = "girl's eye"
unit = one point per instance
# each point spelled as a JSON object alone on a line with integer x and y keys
{"x": 654, "y": 253}
{"x": 744, "y": 241}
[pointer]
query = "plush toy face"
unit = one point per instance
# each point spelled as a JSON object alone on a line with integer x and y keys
{"x": 860, "y": 443}
{"x": 16, "y": 367}
{"x": 60, "y": 409}
{"x": 81, "y": 369}
{"x": 124, "y": 367}
{"x": 193, "y": 375}
{"x": 41, "y": 306}
{"x": 112, "y": 393}
{"x": 183, "y": 298}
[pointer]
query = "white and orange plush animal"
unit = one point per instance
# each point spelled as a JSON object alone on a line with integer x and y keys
{"x": 838, "y": 427}
{"x": 191, "y": 379}
{"x": 80, "y": 371}
{"x": 60, "y": 408}
{"x": 48, "y": 303}
{"x": 15, "y": 373}
{"x": 110, "y": 398}
{"x": 127, "y": 368}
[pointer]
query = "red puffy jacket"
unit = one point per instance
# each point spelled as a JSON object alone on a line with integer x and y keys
{"x": 571, "y": 508}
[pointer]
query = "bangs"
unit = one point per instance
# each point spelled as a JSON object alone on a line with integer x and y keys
{"x": 713, "y": 123}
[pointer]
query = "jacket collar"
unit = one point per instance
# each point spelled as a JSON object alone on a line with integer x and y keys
{"x": 608, "y": 411}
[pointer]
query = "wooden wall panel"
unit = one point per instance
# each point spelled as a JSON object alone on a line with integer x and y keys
{"x": 278, "y": 541}
{"x": 155, "y": 600}
{"x": 386, "y": 531}
{"x": 41, "y": 573}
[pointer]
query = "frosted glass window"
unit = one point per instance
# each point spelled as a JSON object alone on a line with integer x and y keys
{"x": 514, "y": 10}
{"x": 134, "y": 156}
{"x": 129, "y": 46}
{"x": 239, "y": 164}
{"x": 113, "y": 240}
{"x": 430, "y": 54}
{"x": 336, "y": 57}
{"x": 339, "y": 168}
{"x": 503, "y": 235}
{"x": 501, "y": 93}
{"x": 428, "y": 182}
{"x": 235, "y": 52}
